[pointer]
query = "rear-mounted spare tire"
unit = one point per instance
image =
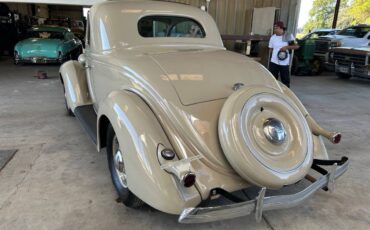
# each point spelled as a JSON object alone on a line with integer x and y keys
{"x": 265, "y": 137}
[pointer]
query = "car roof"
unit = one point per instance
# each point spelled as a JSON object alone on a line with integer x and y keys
{"x": 50, "y": 28}
{"x": 108, "y": 18}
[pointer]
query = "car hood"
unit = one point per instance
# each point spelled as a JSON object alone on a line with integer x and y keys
{"x": 354, "y": 50}
{"x": 362, "y": 48}
{"x": 38, "y": 46}
{"x": 200, "y": 76}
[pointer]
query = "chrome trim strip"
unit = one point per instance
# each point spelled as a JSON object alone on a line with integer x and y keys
{"x": 261, "y": 203}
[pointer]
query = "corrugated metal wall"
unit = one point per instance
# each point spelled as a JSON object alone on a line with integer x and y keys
{"x": 20, "y": 8}
{"x": 73, "y": 12}
{"x": 46, "y": 11}
{"x": 234, "y": 16}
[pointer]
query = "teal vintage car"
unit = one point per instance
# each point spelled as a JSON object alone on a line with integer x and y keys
{"x": 47, "y": 44}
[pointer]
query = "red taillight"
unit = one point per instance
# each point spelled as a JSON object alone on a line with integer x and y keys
{"x": 189, "y": 179}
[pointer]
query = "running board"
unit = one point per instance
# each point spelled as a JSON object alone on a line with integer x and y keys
{"x": 88, "y": 119}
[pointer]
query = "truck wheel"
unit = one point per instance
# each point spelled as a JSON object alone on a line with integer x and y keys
{"x": 117, "y": 170}
{"x": 316, "y": 67}
{"x": 343, "y": 75}
{"x": 295, "y": 66}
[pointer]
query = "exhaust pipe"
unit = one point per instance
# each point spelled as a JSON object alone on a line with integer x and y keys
{"x": 317, "y": 130}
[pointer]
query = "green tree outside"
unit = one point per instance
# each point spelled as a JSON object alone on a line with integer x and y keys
{"x": 351, "y": 12}
{"x": 360, "y": 10}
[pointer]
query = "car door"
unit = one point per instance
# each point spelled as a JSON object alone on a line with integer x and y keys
{"x": 88, "y": 63}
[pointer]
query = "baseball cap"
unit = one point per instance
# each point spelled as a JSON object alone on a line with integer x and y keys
{"x": 279, "y": 24}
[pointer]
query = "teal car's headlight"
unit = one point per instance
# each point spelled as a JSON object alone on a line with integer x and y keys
{"x": 60, "y": 56}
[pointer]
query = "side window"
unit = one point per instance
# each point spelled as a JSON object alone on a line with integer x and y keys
{"x": 364, "y": 31}
{"x": 314, "y": 35}
{"x": 170, "y": 26}
{"x": 159, "y": 29}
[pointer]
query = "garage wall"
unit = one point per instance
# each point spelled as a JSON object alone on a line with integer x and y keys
{"x": 42, "y": 11}
{"x": 48, "y": 11}
{"x": 235, "y": 16}
{"x": 23, "y": 9}
{"x": 73, "y": 12}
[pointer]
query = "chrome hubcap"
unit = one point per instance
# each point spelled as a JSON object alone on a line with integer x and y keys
{"x": 274, "y": 131}
{"x": 119, "y": 165}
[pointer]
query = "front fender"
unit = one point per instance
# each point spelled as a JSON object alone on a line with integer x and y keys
{"x": 140, "y": 134}
{"x": 75, "y": 84}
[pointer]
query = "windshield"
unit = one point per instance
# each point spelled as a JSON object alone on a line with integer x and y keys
{"x": 358, "y": 32}
{"x": 45, "y": 34}
{"x": 170, "y": 26}
{"x": 57, "y": 22}
{"x": 318, "y": 34}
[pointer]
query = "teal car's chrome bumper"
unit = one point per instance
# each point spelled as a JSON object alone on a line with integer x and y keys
{"x": 37, "y": 60}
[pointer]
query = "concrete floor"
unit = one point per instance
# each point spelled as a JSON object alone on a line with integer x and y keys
{"x": 57, "y": 180}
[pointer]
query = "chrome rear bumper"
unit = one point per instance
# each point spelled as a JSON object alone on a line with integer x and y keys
{"x": 38, "y": 60}
{"x": 262, "y": 203}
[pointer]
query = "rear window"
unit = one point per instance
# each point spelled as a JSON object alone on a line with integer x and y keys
{"x": 45, "y": 34}
{"x": 170, "y": 26}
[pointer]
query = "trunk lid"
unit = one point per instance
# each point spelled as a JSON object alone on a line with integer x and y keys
{"x": 36, "y": 47}
{"x": 199, "y": 76}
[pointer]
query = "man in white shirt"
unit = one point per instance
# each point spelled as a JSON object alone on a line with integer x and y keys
{"x": 280, "y": 43}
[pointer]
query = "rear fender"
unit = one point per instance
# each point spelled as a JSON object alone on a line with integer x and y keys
{"x": 320, "y": 151}
{"x": 140, "y": 135}
{"x": 74, "y": 81}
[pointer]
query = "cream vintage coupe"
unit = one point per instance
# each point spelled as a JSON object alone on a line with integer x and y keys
{"x": 185, "y": 121}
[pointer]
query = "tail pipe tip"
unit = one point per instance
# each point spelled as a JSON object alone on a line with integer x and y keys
{"x": 188, "y": 179}
{"x": 335, "y": 137}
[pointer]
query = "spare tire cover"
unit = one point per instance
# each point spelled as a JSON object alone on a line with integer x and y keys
{"x": 265, "y": 137}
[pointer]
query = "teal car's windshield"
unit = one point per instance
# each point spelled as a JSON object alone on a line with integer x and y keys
{"x": 45, "y": 34}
